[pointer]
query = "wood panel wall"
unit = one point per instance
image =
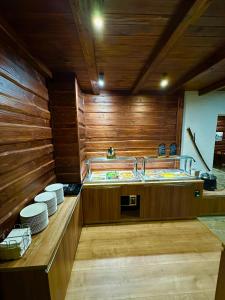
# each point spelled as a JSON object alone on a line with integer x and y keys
{"x": 26, "y": 150}
{"x": 81, "y": 126}
{"x": 66, "y": 104}
{"x": 220, "y": 146}
{"x": 133, "y": 125}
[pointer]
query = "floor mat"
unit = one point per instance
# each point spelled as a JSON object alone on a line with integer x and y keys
{"x": 220, "y": 174}
{"x": 216, "y": 225}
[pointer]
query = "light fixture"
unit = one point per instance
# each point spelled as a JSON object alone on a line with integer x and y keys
{"x": 97, "y": 20}
{"x": 101, "y": 81}
{"x": 164, "y": 81}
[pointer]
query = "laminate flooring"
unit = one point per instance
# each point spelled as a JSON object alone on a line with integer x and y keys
{"x": 175, "y": 260}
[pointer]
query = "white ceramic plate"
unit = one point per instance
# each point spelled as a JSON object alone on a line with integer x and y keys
{"x": 33, "y": 210}
{"x": 54, "y": 187}
{"x": 44, "y": 197}
{"x": 58, "y": 189}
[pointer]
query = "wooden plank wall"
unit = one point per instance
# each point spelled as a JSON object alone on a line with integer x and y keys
{"x": 26, "y": 150}
{"x": 81, "y": 130}
{"x": 220, "y": 146}
{"x": 133, "y": 125}
{"x": 66, "y": 107}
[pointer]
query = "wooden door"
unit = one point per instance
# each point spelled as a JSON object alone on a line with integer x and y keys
{"x": 170, "y": 200}
{"x": 101, "y": 204}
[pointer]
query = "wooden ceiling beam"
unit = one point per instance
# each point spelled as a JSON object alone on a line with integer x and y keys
{"x": 212, "y": 87}
{"x": 202, "y": 67}
{"x": 81, "y": 15}
{"x": 175, "y": 30}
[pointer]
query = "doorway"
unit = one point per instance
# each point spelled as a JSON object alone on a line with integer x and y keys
{"x": 219, "y": 153}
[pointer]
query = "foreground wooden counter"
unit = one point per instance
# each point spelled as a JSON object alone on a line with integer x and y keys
{"x": 162, "y": 200}
{"x": 44, "y": 271}
{"x": 214, "y": 203}
{"x": 220, "y": 289}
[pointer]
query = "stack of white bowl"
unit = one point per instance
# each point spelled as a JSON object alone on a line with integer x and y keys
{"x": 35, "y": 216}
{"x": 48, "y": 198}
{"x": 58, "y": 189}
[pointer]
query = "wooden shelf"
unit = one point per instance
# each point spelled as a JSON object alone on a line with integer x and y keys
{"x": 44, "y": 271}
{"x": 44, "y": 244}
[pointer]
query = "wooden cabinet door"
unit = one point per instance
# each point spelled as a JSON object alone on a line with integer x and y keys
{"x": 101, "y": 204}
{"x": 170, "y": 200}
{"x": 62, "y": 263}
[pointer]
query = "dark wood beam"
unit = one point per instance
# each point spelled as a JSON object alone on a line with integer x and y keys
{"x": 22, "y": 49}
{"x": 212, "y": 87}
{"x": 190, "y": 12}
{"x": 203, "y": 66}
{"x": 81, "y": 14}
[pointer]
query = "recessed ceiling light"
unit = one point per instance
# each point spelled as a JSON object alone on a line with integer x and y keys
{"x": 164, "y": 81}
{"x": 98, "y": 21}
{"x": 101, "y": 81}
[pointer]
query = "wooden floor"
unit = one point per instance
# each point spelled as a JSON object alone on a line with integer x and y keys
{"x": 156, "y": 261}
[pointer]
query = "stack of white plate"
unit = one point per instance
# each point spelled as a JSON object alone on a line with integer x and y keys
{"x": 50, "y": 199}
{"x": 58, "y": 189}
{"x": 35, "y": 216}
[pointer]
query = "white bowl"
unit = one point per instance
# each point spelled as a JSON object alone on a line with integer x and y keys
{"x": 33, "y": 210}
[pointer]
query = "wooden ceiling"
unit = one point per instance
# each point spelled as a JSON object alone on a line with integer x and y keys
{"x": 141, "y": 40}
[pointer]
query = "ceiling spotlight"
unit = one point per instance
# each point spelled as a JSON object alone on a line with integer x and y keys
{"x": 98, "y": 21}
{"x": 164, "y": 81}
{"x": 101, "y": 81}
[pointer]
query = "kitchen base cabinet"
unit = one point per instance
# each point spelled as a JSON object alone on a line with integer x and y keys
{"x": 43, "y": 273}
{"x": 101, "y": 204}
{"x": 156, "y": 201}
{"x": 170, "y": 200}
{"x": 212, "y": 204}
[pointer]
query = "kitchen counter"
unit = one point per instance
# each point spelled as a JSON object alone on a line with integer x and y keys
{"x": 220, "y": 288}
{"x": 107, "y": 183}
{"x": 45, "y": 243}
{"x": 217, "y": 193}
{"x": 44, "y": 271}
